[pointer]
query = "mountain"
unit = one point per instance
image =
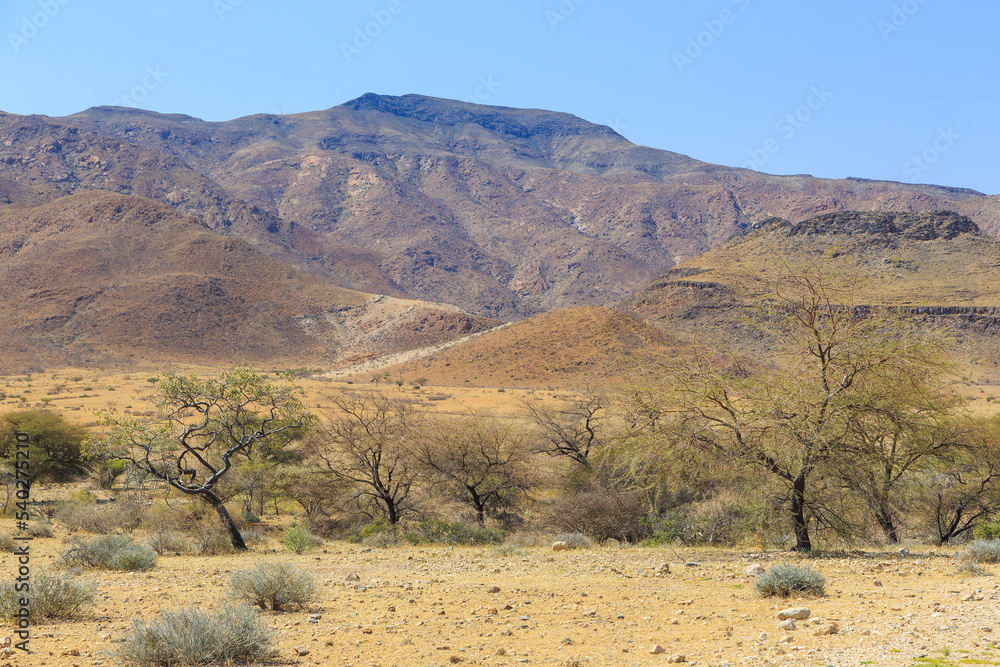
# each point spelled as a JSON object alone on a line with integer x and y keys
{"x": 938, "y": 268}
{"x": 566, "y": 348}
{"x": 502, "y": 212}
{"x": 97, "y": 277}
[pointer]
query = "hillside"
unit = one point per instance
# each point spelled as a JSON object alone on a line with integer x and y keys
{"x": 98, "y": 278}
{"x": 939, "y": 267}
{"x": 568, "y": 348}
{"x": 502, "y": 212}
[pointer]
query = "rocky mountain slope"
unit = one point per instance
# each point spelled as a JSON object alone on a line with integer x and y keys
{"x": 503, "y": 212}
{"x": 939, "y": 268}
{"x": 99, "y": 278}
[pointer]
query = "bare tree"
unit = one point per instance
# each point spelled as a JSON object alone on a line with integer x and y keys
{"x": 483, "y": 460}
{"x": 366, "y": 442}
{"x": 573, "y": 431}
{"x": 205, "y": 428}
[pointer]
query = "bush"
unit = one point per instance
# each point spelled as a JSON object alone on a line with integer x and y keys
{"x": 115, "y": 517}
{"x": 7, "y": 543}
{"x": 190, "y": 636}
{"x": 982, "y": 551}
{"x": 987, "y": 530}
{"x": 435, "y": 531}
{"x": 52, "y": 596}
{"x": 379, "y": 530}
{"x": 299, "y": 540}
{"x": 109, "y": 552}
{"x": 273, "y": 586}
{"x": 574, "y": 540}
{"x": 602, "y": 515}
{"x": 168, "y": 541}
{"x": 785, "y": 580}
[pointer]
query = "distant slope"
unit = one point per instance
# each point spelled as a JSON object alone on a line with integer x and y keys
{"x": 566, "y": 348}
{"x": 503, "y": 212}
{"x": 939, "y": 267}
{"x": 105, "y": 278}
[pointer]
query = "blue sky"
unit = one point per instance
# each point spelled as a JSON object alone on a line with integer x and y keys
{"x": 902, "y": 90}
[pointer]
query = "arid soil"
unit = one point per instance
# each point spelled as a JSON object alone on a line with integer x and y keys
{"x": 600, "y": 606}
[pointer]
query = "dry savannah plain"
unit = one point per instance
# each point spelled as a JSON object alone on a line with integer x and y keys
{"x": 522, "y": 602}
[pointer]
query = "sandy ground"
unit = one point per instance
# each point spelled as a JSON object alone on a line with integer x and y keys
{"x": 600, "y": 606}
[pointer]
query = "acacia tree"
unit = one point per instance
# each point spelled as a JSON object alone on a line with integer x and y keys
{"x": 55, "y": 446}
{"x": 483, "y": 460}
{"x": 573, "y": 430}
{"x": 204, "y": 429}
{"x": 366, "y": 442}
{"x": 792, "y": 418}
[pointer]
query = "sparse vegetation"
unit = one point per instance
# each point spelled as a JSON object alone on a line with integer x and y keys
{"x": 108, "y": 552}
{"x": 785, "y": 580}
{"x": 298, "y": 539}
{"x": 273, "y": 586}
{"x": 53, "y": 595}
{"x": 230, "y": 634}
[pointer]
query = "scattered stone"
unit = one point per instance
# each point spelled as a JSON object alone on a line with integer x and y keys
{"x": 692, "y": 563}
{"x": 567, "y": 642}
{"x": 755, "y": 570}
{"x": 828, "y": 629}
{"x": 301, "y": 650}
{"x": 664, "y": 569}
{"x": 877, "y": 583}
{"x": 353, "y": 576}
{"x": 590, "y": 613}
{"x": 495, "y": 589}
{"x": 559, "y": 546}
{"x": 657, "y": 649}
{"x": 795, "y": 613}
{"x": 787, "y": 639}
{"x": 787, "y": 625}
{"x": 677, "y": 657}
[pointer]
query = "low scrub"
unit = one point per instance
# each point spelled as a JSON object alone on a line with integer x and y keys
{"x": 602, "y": 515}
{"x": 274, "y": 586}
{"x": 298, "y": 539}
{"x": 109, "y": 552}
{"x": 52, "y": 596}
{"x": 787, "y": 580}
{"x": 169, "y": 542}
{"x": 574, "y": 540}
{"x": 982, "y": 551}
{"x": 115, "y": 517}
{"x": 189, "y": 636}
{"x": 435, "y": 531}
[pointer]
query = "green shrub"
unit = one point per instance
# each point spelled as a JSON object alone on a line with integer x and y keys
{"x": 659, "y": 539}
{"x": 982, "y": 551}
{"x": 987, "y": 530}
{"x": 109, "y": 552}
{"x": 52, "y": 596}
{"x": 250, "y": 517}
{"x": 435, "y": 531}
{"x": 299, "y": 540}
{"x": 273, "y": 585}
{"x": 785, "y": 580}
{"x": 373, "y": 532}
{"x": 190, "y": 636}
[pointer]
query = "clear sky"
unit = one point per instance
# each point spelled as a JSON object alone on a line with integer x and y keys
{"x": 904, "y": 90}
